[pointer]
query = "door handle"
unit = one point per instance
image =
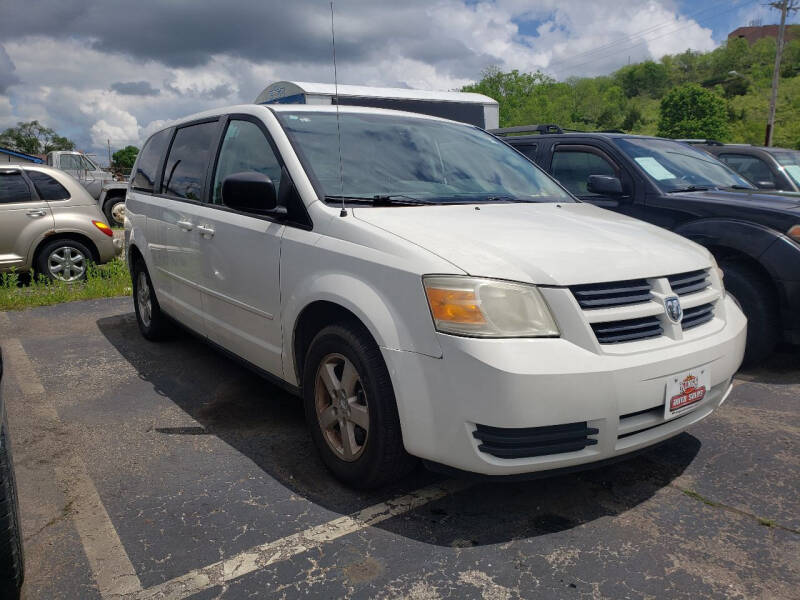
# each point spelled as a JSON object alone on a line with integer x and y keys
{"x": 185, "y": 225}
{"x": 38, "y": 212}
{"x": 206, "y": 231}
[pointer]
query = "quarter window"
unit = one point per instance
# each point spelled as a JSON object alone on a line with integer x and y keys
{"x": 70, "y": 162}
{"x": 245, "y": 148}
{"x": 185, "y": 170}
{"x": 572, "y": 170}
{"x": 144, "y": 172}
{"x": 13, "y": 188}
{"x": 47, "y": 187}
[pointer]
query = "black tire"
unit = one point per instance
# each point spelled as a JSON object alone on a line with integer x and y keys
{"x": 153, "y": 323}
{"x": 753, "y": 292}
{"x": 109, "y": 210}
{"x": 383, "y": 458}
{"x": 12, "y": 563}
{"x": 43, "y": 258}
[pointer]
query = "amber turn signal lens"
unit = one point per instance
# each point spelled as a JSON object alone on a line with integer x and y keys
{"x": 103, "y": 227}
{"x": 456, "y": 306}
{"x": 794, "y": 233}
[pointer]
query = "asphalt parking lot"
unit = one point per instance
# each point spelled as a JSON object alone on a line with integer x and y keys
{"x": 168, "y": 471}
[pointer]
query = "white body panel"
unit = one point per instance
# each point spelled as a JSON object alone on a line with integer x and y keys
{"x": 252, "y": 279}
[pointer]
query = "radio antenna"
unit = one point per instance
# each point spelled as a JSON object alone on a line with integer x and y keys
{"x": 343, "y": 212}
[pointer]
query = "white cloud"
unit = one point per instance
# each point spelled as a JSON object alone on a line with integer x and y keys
{"x": 66, "y": 82}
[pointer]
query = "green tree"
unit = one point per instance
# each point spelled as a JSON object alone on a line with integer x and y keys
{"x": 511, "y": 90}
{"x": 124, "y": 159}
{"x": 34, "y": 138}
{"x": 691, "y": 111}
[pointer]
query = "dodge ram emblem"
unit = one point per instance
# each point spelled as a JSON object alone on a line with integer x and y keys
{"x": 674, "y": 310}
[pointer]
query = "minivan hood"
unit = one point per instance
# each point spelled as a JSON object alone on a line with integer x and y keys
{"x": 543, "y": 243}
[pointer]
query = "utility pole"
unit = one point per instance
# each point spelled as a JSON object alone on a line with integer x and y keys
{"x": 109, "y": 153}
{"x": 784, "y": 6}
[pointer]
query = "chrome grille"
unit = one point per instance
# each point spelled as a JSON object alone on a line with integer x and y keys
{"x": 689, "y": 283}
{"x": 615, "y": 293}
{"x": 614, "y": 332}
{"x": 697, "y": 315}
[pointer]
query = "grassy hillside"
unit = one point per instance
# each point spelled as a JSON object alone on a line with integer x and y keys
{"x": 629, "y": 98}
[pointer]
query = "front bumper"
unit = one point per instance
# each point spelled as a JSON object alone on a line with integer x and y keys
{"x": 528, "y": 383}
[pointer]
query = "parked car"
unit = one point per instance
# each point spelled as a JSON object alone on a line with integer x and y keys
{"x": 109, "y": 193}
{"x": 12, "y": 561}
{"x": 430, "y": 294}
{"x": 768, "y": 168}
{"x": 755, "y": 236}
{"x": 50, "y": 223}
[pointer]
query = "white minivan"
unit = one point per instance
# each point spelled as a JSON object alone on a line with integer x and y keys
{"x": 426, "y": 290}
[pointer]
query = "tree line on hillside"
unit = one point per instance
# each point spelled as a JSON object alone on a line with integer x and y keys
{"x": 34, "y": 138}
{"x": 722, "y": 94}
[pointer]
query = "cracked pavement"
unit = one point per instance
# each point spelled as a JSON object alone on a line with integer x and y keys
{"x": 167, "y": 470}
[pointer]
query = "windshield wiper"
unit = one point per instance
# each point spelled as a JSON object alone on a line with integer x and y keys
{"x": 692, "y": 188}
{"x": 738, "y": 187}
{"x": 381, "y": 200}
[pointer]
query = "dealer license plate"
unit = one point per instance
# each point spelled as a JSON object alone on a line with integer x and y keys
{"x": 685, "y": 391}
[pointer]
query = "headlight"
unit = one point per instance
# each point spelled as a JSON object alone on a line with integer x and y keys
{"x": 488, "y": 308}
{"x": 720, "y": 273}
{"x": 794, "y": 233}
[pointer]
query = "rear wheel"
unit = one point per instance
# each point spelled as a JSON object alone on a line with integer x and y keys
{"x": 351, "y": 410}
{"x": 153, "y": 324}
{"x": 753, "y": 293}
{"x": 64, "y": 260}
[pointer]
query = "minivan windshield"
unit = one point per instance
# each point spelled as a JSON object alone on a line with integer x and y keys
{"x": 413, "y": 160}
{"x": 789, "y": 160}
{"x": 677, "y": 167}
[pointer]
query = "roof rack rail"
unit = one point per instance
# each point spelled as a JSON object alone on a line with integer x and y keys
{"x": 707, "y": 142}
{"x": 540, "y": 129}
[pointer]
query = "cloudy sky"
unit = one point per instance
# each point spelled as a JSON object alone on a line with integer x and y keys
{"x": 98, "y": 70}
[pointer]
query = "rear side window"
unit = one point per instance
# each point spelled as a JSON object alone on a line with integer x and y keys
{"x": 47, "y": 187}
{"x": 572, "y": 169}
{"x": 185, "y": 170}
{"x": 13, "y": 188}
{"x": 144, "y": 175}
{"x": 71, "y": 162}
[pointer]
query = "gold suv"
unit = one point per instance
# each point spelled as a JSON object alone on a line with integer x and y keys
{"x": 50, "y": 223}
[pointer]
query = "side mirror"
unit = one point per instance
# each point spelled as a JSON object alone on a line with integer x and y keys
{"x": 765, "y": 185}
{"x": 251, "y": 192}
{"x": 605, "y": 184}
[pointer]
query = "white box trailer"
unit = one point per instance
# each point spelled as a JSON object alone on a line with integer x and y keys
{"x": 466, "y": 107}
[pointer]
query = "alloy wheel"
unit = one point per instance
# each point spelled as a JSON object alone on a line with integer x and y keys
{"x": 66, "y": 263}
{"x": 341, "y": 406}
{"x": 143, "y": 299}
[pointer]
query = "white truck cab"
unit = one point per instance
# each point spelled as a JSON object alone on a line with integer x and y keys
{"x": 109, "y": 193}
{"x": 426, "y": 290}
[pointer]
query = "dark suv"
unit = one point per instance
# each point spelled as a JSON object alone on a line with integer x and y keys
{"x": 768, "y": 168}
{"x": 754, "y": 235}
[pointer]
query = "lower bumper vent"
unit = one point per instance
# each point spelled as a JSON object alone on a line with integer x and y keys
{"x": 504, "y": 442}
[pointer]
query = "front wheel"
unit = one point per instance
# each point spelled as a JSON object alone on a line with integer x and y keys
{"x": 351, "y": 410}
{"x": 115, "y": 212}
{"x": 753, "y": 293}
